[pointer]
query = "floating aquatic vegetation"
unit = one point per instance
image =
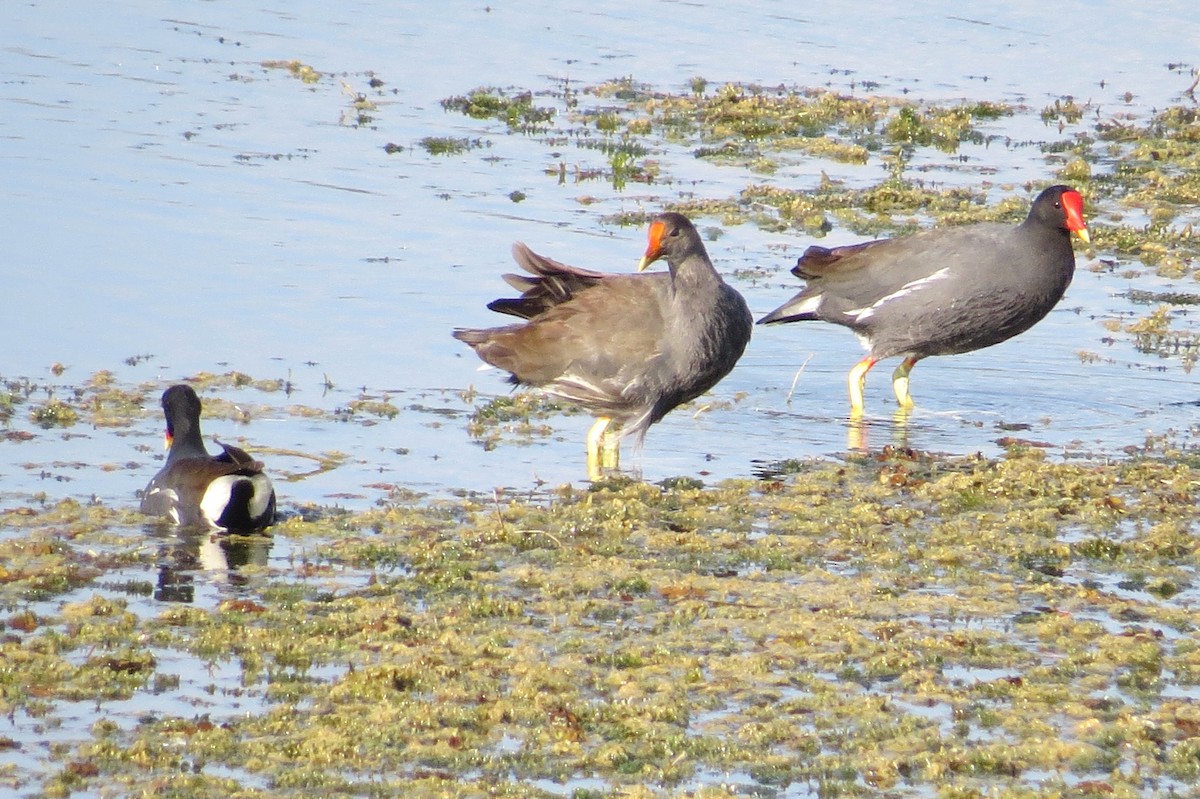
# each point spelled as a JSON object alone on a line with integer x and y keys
{"x": 297, "y": 69}
{"x": 517, "y": 110}
{"x": 54, "y": 413}
{"x": 381, "y": 407}
{"x": 517, "y": 415}
{"x": 1141, "y": 297}
{"x": 1063, "y": 111}
{"x": 1154, "y": 335}
{"x": 449, "y": 145}
{"x": 361, "y": 108}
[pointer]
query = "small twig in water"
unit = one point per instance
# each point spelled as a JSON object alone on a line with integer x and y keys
{"x": 499, "y": 513}
{"x": 796, "y": 379}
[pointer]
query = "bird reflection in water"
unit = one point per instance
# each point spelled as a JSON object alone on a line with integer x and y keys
{"x": 220, "y": 556}
{"x": 858, "y": 430}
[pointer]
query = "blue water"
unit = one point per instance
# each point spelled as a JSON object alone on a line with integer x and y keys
{"x": 165, "y": 194}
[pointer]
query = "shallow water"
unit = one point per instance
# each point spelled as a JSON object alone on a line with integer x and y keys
{"x": 167, "y": 195}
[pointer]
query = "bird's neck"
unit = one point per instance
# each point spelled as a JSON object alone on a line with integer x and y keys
{"x": 691, "y": 275}
{"x": 1045, "y": 232}
{"x": 187, "y": 444}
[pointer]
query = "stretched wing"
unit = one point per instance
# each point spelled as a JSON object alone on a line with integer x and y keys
{"x": 595, "y": 348}
{"x": 552, "y": 283}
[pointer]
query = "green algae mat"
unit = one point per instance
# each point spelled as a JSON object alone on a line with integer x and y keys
{"x": 895, "y": 625}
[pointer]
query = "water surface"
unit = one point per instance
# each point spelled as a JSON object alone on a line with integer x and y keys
{"x": 166, "y": 195}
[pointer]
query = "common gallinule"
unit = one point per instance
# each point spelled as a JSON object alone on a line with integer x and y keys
{"x": 227, "y": 491}
{"x": 941, "y": 292}
{"x": 628, "y": 348}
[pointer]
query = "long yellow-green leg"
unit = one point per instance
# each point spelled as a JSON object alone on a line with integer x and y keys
{"x": 900, "y": 381}
{"x": 856, "y": 380}
{"x": 594, "y": 437}
{"x": 900, "y": 427}
{"x": 610, "y": 449}
{"x": 857, "y": 432}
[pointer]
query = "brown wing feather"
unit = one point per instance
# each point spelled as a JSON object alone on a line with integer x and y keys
{"x": 583, "y": 349}
{"x": 239, "y": 458}
{"x": 817, "y": 261}
{"x": 553, "y": 284}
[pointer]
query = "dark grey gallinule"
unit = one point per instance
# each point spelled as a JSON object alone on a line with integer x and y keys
{"x": 941, "y": 292}
{"x": 628, "y": 348}
{"x": 193, "y": 488}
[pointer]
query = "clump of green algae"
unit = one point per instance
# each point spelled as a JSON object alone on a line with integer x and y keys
{"x": 518, "y": 111}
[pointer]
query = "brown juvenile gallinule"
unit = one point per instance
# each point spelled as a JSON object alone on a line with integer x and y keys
{"x": 193, "y": 488}
{"x": 941, "y": 292}
{"x": 628, "y": 348}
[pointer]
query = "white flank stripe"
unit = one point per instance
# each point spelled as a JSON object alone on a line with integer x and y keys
{"x": 862, "y": 314}
{"x": 810, "y": 305}
{"x": 216, "y": 497}
{"x": 261, "y": 496}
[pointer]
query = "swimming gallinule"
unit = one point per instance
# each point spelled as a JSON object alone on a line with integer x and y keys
{"x": 941, "y": 292}
{"x": 628, "y": 348}
{"x": 227, "y": 491}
